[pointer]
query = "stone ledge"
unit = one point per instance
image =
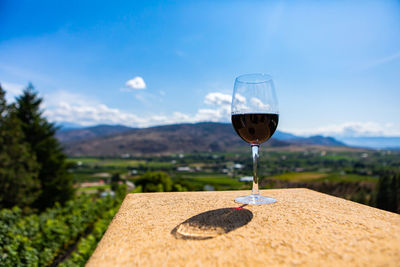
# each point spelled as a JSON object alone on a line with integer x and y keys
{"x": 303, "y": 228}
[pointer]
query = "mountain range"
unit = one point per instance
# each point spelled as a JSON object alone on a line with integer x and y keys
{"x": 375, "y": 142}
{"x": 117, "y": 140}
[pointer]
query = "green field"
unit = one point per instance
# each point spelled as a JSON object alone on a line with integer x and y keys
{"x": 318, "y": 176}
{"x": 91, "y": 169}
{"x": 216, "y": 180}
{"x": 116, "y": 162}
{"x": 219, "y": 182}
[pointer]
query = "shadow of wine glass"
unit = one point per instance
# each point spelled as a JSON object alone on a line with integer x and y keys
{"x": 212, "y": 223}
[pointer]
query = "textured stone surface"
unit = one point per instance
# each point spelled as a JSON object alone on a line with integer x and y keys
{"x": 303, "y": 228}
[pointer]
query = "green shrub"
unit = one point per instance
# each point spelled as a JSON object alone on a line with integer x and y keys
{"x": 36, "y": 240}
{"x": 155, "y": 182}
{"x": 88, "y": 244}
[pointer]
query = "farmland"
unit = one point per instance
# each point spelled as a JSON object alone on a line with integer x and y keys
{"x": 325, "y": 170}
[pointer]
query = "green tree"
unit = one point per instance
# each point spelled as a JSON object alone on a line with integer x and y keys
{"x": 56, "y": 183}
{"x": 388, "y": 197}
{"x": 155, "y": 182}
{"x": 395, "y": 201}
{"x": 178, "y": 188}
{"x": 19, "y": 184}
{"x": 382, "y": 199}
{"x": 114, "y": 181}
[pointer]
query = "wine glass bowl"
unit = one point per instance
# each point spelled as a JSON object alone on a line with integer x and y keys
{"x": 255, "y": 118}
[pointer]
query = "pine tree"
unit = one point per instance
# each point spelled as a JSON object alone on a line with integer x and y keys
{"x": 19, "y": 184}
{"x": 396, "y": 189}
{"x": 393, "y": 193}
{"x": 384, "y": 192}
{"x": 56, "y": 183}
{"x": 388, "y": 197}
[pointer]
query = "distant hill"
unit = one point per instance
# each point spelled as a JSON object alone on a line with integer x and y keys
{"x": 68, "y": 126}
{"x": 69, "y": 135}
{"x": 373, "y": 142}
{"x": 284, "y": 136}
{"x": 107, "y": 140}
{"x": 316, "y": 140}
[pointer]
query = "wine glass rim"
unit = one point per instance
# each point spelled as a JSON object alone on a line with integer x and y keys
{"x": 254, "y": 78}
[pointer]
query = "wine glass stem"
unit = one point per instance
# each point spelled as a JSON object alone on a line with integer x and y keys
{"x": 254, "y": 152}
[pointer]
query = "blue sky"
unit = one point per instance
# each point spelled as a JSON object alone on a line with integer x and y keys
{"x": 335, "y": 64}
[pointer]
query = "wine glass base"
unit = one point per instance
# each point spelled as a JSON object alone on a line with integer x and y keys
{"x": 255, "y": 200}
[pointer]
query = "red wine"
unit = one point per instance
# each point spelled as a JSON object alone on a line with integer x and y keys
{"x": 255, "y": 128}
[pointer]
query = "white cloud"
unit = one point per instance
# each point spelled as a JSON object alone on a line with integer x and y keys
{"x": 217, "y": 98}
{"x": 239, "y": 104}
{"x": 12, "y": 90}
{"x": 221, "y": 110}
{"x": 215, "y": 115}
{"x": 351, "y": 129}
{"x": 63, "y": 106}
{"x": 259, "y": 104}
{"x": 136, "y": 83}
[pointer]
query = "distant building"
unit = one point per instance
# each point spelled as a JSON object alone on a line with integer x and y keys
{"x": 102, "y": 175}
{"x": 90, "y": 184}
{"x": 238, "y": 166}
{"x": 130, "y": 184}
{"x": 199, "y": 168}
{"x": 184, "y": 169}
{"x": 246, "y": 179}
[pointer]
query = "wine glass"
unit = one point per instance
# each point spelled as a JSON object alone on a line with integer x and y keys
{"x": 255, "y": 118}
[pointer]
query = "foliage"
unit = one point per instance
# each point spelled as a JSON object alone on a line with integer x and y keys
{"x": 19, "y": 184}
{"x": 87, "y": 245}
{"x": 388, "y": 197}
{"x": 121, "y": 191}
{"x": 56, "y": 184}
{"x": 155, "y": 182}
{"x": 114, "y": 181}
{"x": 36, "y": 240}
{"x": 178, "y": 188}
